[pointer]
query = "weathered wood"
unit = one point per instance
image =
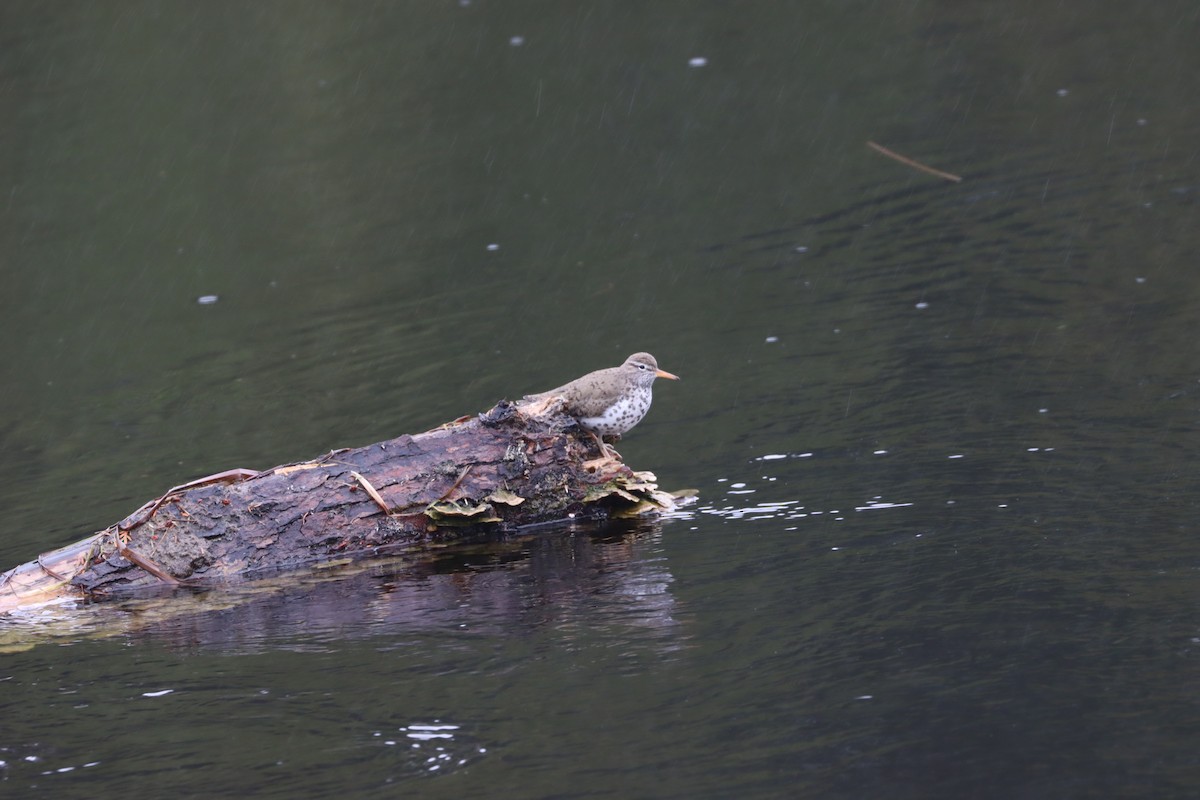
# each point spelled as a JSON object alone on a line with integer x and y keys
{"x": 509, "y": 467}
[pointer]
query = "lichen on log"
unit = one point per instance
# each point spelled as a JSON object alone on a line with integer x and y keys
{"x": 506, "y": 468}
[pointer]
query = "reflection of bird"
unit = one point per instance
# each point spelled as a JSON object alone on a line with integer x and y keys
{"x": 609, "y": 402}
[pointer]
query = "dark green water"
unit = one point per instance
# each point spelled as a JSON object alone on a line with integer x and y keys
{"x": 945, "y": 540}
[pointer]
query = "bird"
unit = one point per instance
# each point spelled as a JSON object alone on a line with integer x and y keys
{"x": 609, "y": 402}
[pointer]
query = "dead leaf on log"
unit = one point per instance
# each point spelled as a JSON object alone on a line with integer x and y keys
{"x": 461, "y": 512}
{"x": 506, "y": 497}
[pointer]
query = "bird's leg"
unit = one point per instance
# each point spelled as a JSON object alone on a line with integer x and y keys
{"x": 600, "y": 443}
{"x": 607, "y": 449}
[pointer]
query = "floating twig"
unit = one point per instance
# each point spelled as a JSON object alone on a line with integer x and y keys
{"x": 878, "y": 148}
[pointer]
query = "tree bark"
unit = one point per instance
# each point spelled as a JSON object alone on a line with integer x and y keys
{"x": 508, "y": 467}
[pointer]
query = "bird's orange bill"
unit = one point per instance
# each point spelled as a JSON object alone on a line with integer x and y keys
{"x": 662, "y": 373}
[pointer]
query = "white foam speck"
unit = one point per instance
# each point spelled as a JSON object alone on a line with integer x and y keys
{"x": 874, "y": 505}
{"x": 431, "y": 728}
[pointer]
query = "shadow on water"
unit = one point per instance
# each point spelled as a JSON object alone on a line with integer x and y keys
{"x": 384, "y": 636}
{"x": 502, "y": 585}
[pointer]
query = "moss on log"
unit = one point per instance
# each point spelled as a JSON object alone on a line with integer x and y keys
{"x": 509, "y": 467}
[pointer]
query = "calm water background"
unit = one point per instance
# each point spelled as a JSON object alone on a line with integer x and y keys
{"x": 945, "y": 540}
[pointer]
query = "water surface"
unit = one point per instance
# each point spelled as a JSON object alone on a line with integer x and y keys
{"x": 943, "y": 543}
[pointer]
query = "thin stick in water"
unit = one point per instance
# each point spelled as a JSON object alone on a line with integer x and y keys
{"x": 878, "y": 148}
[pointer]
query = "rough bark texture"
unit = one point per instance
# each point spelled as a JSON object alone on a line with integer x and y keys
{"x": 508, "y": 467}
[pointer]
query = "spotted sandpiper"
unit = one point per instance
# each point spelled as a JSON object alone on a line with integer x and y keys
{"x": 609, "y": 402}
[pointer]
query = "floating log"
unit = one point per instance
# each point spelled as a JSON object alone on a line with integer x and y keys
{"x": 512, "y": 466}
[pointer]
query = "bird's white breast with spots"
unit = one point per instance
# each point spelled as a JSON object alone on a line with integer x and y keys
{"x": 621, "y": 416}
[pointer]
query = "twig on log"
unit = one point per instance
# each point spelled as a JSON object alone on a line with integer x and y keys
{"x": 878, "y": 148}
{"x": 456, "y": 483}
{"x": 372, "y": 491}
{"x": 143, "y": 514}
{"x": 49, "y": 571}
{"x": 143, "y": 562}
